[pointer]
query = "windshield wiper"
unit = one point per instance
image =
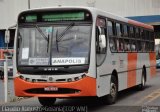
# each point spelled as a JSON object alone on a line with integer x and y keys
{"x": 41, "y": 32}
{"x": 59, "y": 38}
{"x": 44, "y": 36}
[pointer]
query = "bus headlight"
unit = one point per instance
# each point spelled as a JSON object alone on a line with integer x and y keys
{"x": 69, "y": 80}
{"x": 33, "y": 80}
{"x": 84, "y": 75}
{"x": 76, "y": 78}
{"x": 21, "y": 77}
{"x": 27, "y": 79}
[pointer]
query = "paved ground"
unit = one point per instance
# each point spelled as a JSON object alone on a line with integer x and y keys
{"x": 10, "y": 90}
{"x": 129, "y": 100}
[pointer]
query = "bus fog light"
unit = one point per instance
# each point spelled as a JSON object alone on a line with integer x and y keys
{"x": 69, "y": 80}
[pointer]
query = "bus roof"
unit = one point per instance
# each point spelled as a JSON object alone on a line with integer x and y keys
{"x": 97, "y": 12}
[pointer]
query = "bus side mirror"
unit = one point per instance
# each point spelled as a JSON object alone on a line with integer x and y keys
{"x": 7, "y": 36}
{"x": 102, "y": 41}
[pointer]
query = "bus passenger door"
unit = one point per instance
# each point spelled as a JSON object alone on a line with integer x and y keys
{"x": 101, "y": 53}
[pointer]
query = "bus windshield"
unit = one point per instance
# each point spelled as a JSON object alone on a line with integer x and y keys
{"x": 56, "y": 45}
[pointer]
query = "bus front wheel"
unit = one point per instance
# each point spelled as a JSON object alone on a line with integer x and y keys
{"x": 111, "y": 98}
{"x": 46, "y": 101}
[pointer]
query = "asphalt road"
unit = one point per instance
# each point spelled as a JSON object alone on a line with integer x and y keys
{"x": 130, "y": 100}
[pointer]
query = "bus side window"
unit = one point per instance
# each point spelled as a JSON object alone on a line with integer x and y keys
{"x": 132, "y": 32}
{"x": 147, "y": 35}
{"x": 133, "y": 46}
{"x": 139, "y": 46}
{"x": 111, "y": 33}
{"x": 143, "y": 34}
{"x": 137, "y": 35}
{"x": 125, "y": 30}
{"x": 127, "y": 46}
{"x": 118, "y": 30}
{"x": 151, "y": 38}
{"x": 121, "y": 45}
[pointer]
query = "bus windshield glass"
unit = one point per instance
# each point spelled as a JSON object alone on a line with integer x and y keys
{"x": 57, "y": 45}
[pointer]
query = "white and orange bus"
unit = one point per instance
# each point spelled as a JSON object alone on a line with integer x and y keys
{"x": 67, "y": 52}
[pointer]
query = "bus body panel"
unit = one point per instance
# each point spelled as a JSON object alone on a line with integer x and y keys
{"x": 83, "y": 87}
{"x": 129, "y": 69}
{"x": 92, "y": 65}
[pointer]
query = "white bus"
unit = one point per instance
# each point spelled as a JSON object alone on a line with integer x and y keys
{"x": 67, "y": 52}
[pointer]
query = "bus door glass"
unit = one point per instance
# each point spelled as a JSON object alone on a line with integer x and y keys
{"x": 101, "y": 41}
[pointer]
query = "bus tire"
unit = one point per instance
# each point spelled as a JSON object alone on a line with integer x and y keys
{"x": 112, "y": 97}
{"x": 47, "y": 101}
{"x": 1, "y": 75}
{"x": 143, "y": 80}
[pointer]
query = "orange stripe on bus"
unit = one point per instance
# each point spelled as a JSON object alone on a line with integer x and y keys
{"x": 132, "y": 64}
{"x": 140, "y": 24}
{"x": 152, "y": 58}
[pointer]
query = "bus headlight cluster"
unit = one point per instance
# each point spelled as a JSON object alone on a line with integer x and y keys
{"x": 69, "y": 80}
{"x": 52, "y": 80}
{"x": 21, "y": 77}
{"x": 84, "y": 75}
{"x": 76, "y": 78}
{"x": 27, "y": 79}
{"x": 33, "y": 80}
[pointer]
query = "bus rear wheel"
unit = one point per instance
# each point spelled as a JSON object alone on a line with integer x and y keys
{"x": 1, "y": 75}
{"x": 46, "y": 101}
{"x": 143, "y": 80}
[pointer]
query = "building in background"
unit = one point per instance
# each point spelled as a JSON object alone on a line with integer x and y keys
{"x": 147, "y": 11}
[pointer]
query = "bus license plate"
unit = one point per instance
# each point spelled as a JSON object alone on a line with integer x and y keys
{"x": 51, "y": 88}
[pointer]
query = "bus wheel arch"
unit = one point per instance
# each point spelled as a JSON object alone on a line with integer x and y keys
{"x": 115, "y": 74}
{"x": 112, "y": 96}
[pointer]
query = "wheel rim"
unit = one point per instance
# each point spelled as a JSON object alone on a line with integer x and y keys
{"x": 113, "y": 90}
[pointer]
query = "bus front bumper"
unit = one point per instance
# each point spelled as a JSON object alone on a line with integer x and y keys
{"x": 80, "y": 88}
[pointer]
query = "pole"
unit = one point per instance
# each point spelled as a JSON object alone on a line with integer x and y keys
{"x": 5, "y": 81}
{"x": 29, "y": 5}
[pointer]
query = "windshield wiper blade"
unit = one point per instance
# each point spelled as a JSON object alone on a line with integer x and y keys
{"x": 59, "y": 38}
{"x": 41, "y": 32}
{"x": 43, "y": 35}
